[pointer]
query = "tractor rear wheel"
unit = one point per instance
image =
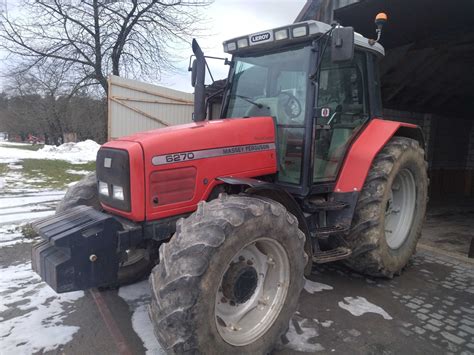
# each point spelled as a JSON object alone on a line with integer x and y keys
{"x": 84, "y": 193}
{"x": 390, "y": 210}
{"x": 229, "y": 280}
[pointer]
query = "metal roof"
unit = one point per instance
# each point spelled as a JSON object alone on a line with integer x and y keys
{"x": 430, "y": 52}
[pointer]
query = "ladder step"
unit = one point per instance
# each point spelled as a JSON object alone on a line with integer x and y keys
{"x": 322, "y": 205}
{"x": 327, "y": 256}
{"x": 324, "y": 232}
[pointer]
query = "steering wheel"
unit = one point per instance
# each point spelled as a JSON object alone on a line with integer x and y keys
{"x": 292, "y": 106}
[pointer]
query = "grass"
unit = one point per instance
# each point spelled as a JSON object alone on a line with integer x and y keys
{"x": 3, "y": 168}
{"x": 53, "y": 172}
{"x": 24, "y": 147}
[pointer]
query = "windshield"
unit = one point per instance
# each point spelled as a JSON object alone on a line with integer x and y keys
{"x": 275, "y": 84}
{"x": 270, "y": 85}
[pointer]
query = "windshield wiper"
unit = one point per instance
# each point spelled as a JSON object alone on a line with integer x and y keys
{"x": 248, "y": 99}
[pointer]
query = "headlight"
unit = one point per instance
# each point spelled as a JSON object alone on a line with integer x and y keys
{"x": 281, "y": 34}
{"x": 117, "y": 192}
{"x": 231, "y": 46}
{"x": 242, "y": 43}
{"x": 299, "y": 31}
{"x": 103, "y": 188}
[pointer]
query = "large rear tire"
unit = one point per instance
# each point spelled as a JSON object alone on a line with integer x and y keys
{"x": 229, "y": 280}
{"x": 138, "y": 263}
{"x": 390, "y": 210}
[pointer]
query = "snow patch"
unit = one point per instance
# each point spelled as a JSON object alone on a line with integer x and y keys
{"x": 301, "y": 337}
{"x": 10, "y": 234}
{"x": 138, "y": 297}
{"x": 25, "y": 207}
{"x": 359, "y": 305}
{"x": 326, "y": 323}
{"x": 75, "y": 153}
{"x": 77, "y": 172}
{"x": 31, "y": 313}
{"x": 313, "y": 287}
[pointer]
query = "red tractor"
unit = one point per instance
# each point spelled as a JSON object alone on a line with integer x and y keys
{"x": 231, "y": 213}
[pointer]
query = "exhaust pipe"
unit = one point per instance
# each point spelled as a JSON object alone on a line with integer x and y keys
{"x": 199, "y": 74}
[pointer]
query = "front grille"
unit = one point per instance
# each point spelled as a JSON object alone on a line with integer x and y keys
{"x": 113, "y": 168}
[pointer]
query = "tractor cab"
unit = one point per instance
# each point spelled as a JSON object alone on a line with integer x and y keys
{"x": 319, "y": 100}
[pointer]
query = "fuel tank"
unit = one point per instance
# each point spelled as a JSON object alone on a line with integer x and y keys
{"x": 173, "y": 168}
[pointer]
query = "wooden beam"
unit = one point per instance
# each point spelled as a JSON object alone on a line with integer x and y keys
{"x": 125, "y": 86}
{"x": 139, "y": 111}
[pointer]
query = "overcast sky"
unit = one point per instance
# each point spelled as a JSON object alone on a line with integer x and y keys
{"x": 226, "y": 19}
{"x": 233, "y": 18}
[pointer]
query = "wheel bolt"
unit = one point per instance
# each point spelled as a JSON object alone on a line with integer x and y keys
{"x": 241, "y": 258}
{"x": 232, "y": 303}
{"x": 224, "y": 300}
{"x": 249, "y": 262}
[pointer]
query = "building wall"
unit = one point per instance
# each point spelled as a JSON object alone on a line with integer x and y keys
{"x": 136, "y": 106}
{"x": 449, "y": 145}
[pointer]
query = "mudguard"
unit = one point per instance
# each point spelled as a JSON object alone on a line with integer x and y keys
{"x": 373, "y": 138}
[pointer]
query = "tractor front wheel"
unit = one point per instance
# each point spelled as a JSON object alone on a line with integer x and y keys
{"x": 229, "y": 280}
{"x": 390, "y": 211}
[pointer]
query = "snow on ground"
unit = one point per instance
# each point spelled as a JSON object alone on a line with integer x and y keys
{"x": 313, "y": 287}
{"x": 23, "y": 208}
{"x": 31, "y": 313}
{"x": 10, "y": 234}
{"x": 359, "y": 306}
{"x": 77, "y": 172}
{"x": 138, "y": 297}
{"x": 301, "y": 336}
{"x": 73, "y": 152}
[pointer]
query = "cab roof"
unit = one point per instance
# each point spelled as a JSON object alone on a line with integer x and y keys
{"x": 296, "y": 32}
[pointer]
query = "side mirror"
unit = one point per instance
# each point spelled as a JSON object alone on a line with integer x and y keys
{"x": 342, "y": 44}
{"x": 193, "y": 73}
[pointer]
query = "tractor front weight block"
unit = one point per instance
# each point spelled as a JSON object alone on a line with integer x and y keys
{"x": 80, "y": 249}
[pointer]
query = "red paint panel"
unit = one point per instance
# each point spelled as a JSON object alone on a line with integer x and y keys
{"x": 137, "y": 179}
{"x": 363, "y": 151}
{"x": 209, "y": 135}
{"x": 188, "y": 138}
{"x": 173, "y": 186}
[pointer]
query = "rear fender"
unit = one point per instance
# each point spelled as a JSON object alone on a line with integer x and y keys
{"x": 370, "y": 142}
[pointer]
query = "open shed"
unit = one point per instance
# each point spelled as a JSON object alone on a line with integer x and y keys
{"x": 427, "y": 78}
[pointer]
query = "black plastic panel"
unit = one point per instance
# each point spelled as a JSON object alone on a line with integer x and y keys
{"x": 113, "y": 167}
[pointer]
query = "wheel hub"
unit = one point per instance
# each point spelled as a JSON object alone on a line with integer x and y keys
{"x": 252, "y": 291}
{"x": 400, "y": 209}
{"x": 239, "y": 282}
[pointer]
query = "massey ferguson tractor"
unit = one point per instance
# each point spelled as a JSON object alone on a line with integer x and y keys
{"x": 230, "y": 214}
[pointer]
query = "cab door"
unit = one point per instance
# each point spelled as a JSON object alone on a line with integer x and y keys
{"x": 342, "y": 110}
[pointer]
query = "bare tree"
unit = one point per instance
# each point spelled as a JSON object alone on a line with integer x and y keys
{"x": 96, "y": 37}
{"x": 43, "y": 102}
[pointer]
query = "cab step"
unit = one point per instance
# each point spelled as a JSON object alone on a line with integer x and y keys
{"x": 325, "y": 232}
{"x": 327, "y": 256}
{"x": 322, "y": 205}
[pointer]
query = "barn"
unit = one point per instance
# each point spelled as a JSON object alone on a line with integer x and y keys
{"x": 427, "y": 78}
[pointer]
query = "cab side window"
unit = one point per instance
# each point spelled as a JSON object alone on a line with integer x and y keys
{"x": 342, "y": 109}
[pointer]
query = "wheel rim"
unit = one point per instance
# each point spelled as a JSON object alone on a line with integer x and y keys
{"x": 252, "y": 291}
{"x": 400, "y": 209}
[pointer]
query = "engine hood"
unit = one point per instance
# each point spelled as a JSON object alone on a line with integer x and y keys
{"x": 204, "y": 135}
